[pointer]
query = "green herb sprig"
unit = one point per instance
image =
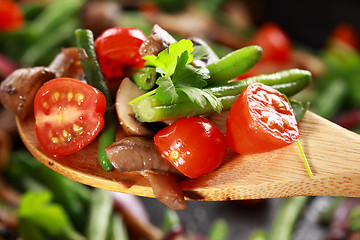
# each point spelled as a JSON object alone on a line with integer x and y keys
{"x": 178, "y": 76}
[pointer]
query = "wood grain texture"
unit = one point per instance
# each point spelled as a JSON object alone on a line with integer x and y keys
{"x": 332, "y": 151}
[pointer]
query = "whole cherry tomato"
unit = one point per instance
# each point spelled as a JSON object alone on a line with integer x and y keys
{"x": 193, "y": 145}
{"x": 69, "y": 115}
{"x": 277, "y": 50}
{"x": 11, "y": 16}
{"x": 274, "y": 41}
{"x": 118, "y": 49}
{"x": 346, "y": 34}
{"x": 260, "y": 120}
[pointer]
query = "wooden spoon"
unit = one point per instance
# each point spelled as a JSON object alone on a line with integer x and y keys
{"x": 332, "y": 151}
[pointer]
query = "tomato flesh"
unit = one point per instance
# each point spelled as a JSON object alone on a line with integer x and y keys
{"x": 118, "y": 50}
{"x": 260, "y": 120}
{"x": 68, "y": 114}
{"x": 11, "y": 16}
{"x": 193, "y": 145}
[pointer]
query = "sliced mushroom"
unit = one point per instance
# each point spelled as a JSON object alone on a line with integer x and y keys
{"x": 17, "y": 91}
{"x": 67, "y": 64}
{"x": 136, "y": 153}
{"x": 158, "y": 40}
{"x": 128, "y": 91}
{"x": 210, "y": 58}
{"x": 166, "y": 189}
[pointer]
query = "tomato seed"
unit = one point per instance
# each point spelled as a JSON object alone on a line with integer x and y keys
{"x": 70, "y": 95}
{"x": 80, "y": 98}
{"x": 77, "y": 129}
{"x": 55, "y": 96}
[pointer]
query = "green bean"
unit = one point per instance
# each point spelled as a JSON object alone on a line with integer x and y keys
{"x": 286, "y": 218}
{"x": 330, "y": 99}
{"x": 117, "y": 229}
{"x": 145, "y": 78}
{"x": 234, "y": 64}
{"x": 30, "y": 174}
{"x": 219, "y": 230}
{"x": 38, "y": 51}
{"x": 258, "y": 234}
{"x": 106, "y": 138}
{"x": 101, "y": 208}
{"x": 289, "y": 82}
{"x": 94, "y": 76}
{"x": 89, "y": 62}
{"x": 170, "y": 221}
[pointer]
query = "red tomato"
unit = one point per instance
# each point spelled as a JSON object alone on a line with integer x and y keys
{"x": 347, "y": 34}
{"x": 260, "y": 120}
{"x": 11, "y": 16}
{"x": 69, "y": 115}
{"x": 275, "y": 43}
{"x": 193, "y": 145}
{"x": 118, "y": 49}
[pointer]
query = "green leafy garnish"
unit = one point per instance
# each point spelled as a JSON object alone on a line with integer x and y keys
{"x": 178, "y": 76}
{"x": 38, "y": 212}
{"x": 167, "y": 59}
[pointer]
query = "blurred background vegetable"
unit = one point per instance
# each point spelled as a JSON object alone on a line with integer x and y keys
{"x": 321, "y": 39}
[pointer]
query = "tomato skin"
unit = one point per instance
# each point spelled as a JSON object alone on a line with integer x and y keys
{"x": 277, "y": 51}
{"x": 69, "y": 115}
{"x": 193, "y": 145}
{"x": 346, "y": 33}
{"x": 11, "y": 16}
{"x": 118, "y": 49}
{"x": 275, "y": 43}
{"x": 260, "y": 120}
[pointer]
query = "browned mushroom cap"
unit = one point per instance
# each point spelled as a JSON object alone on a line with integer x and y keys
{"x": 158, "y": 40}
{"x": 67, "y": 64}
{"x": 17, "y": 91}
{"x": 128, "y": 91}
{"x": 136, "y": 153}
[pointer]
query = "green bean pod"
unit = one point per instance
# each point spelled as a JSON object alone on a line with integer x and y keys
{"x": 101, "y": 208}
{"x": 145, "y": 78}
{"x": 289, "y": 82}
{"x": 219, "y": 230}
{"x": 234, "y": 64}
{"x": 286, "y": 218}
{"x": 107, "y": 137}
{"x": 94, "y": 76}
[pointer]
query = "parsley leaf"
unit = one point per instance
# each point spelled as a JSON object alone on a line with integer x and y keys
{"x": 166, "y": 86}
{"x": 178, "y": 75}
{"x": 167, "y": 58}
{"x": 38, "y": 209}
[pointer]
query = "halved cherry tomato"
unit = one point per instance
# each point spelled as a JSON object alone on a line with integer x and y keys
{"x": 69, "y": 115}
{"x": 274, "y": 41}
{"x": 118, "y": 49}
{"x": 260, "y": 120}
{"x": 193, "y": 145}
{"x": 11, "y": 16}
